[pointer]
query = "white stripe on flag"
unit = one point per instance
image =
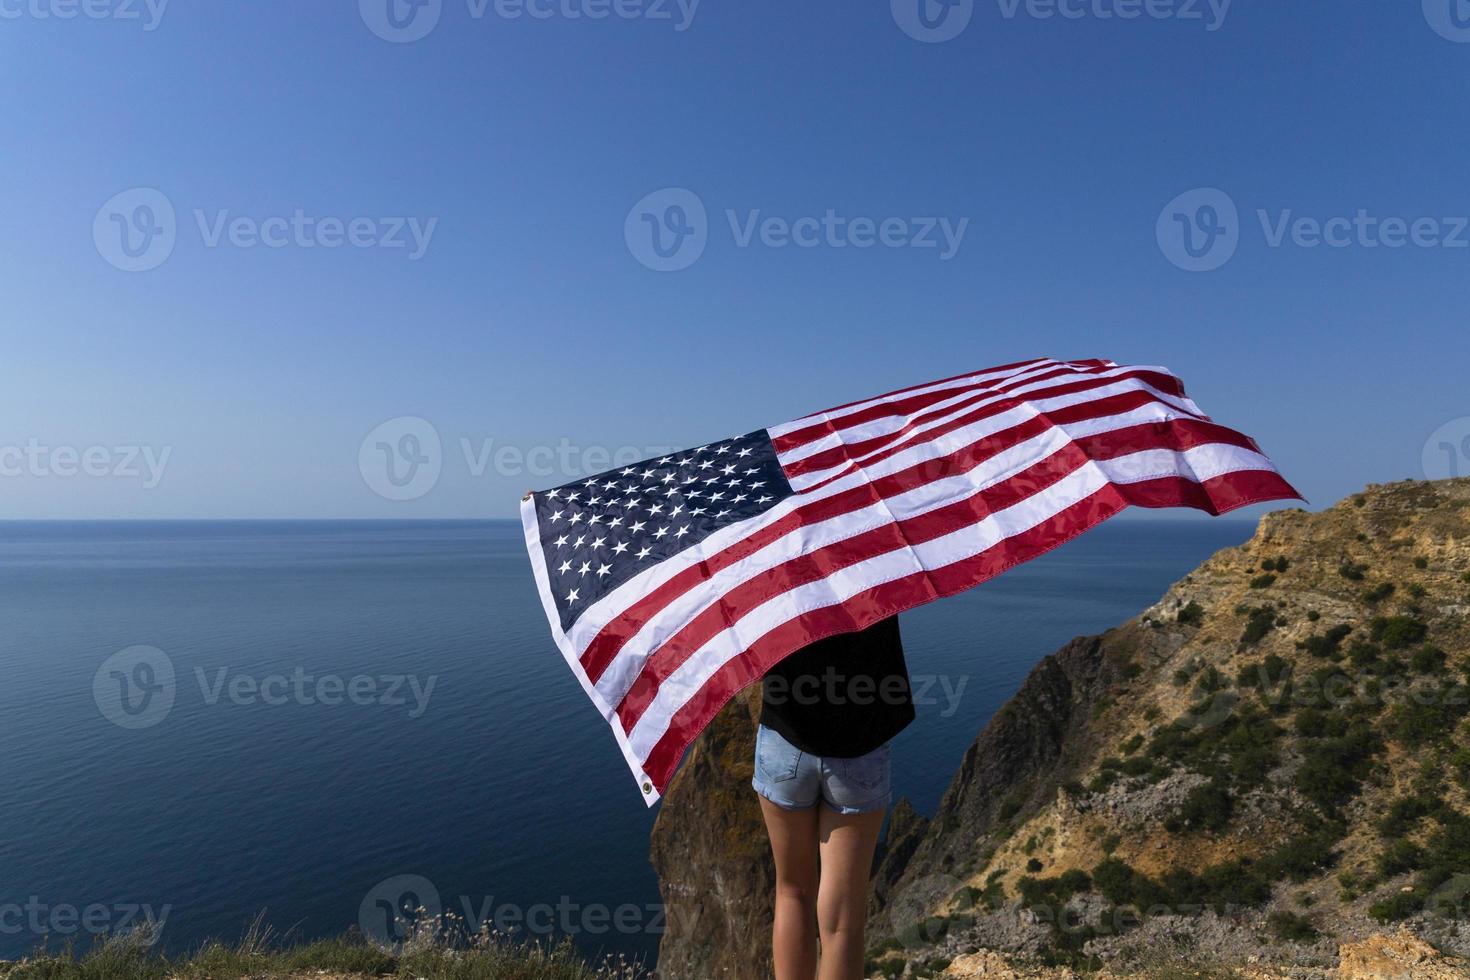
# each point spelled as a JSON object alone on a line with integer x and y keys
{"x": 607, "y": 608}
{"x": 619, "y": 676}
{"x": 1197, "y": 464}
{"x": 969, "y": 379}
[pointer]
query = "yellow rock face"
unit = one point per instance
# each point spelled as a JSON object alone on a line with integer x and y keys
{"x": 1400, "y": 957}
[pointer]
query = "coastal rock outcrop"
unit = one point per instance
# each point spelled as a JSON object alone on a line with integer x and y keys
{"x": 1266, "y": 772}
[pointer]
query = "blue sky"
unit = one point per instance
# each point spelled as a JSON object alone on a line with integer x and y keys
{"x": 238, "y": 379}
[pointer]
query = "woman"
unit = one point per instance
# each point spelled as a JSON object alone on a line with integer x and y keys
{"x": 822, "y": 771}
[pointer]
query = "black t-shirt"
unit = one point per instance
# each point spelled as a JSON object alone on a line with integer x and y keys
{"x": 842, "y": 696}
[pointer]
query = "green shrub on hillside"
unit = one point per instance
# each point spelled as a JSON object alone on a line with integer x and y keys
{"x": 1364, "y": 656}
{"x": 1327, "y": 644}
{"x": 1191, "y": 615}
{"x": 1306, "y": 855}
{"x": 1206, "y": 807}
{"x": 1428, "y": 659}
{"x": 1260, "y": 621}
{"x": 1460, "y": 766}
{"x": 1332, "y": 769}
{"x": 1404, "y": 814}
{"x": 1290, "y": 927}
{"x": 1210, "y": 681}
{"x": 1378, "y": 593}
{"x": 1428, "y": 715}
{"x": 1397, "y": 632}
{"x": 1265, "y": 675}
{"x": 1316, "y": 723}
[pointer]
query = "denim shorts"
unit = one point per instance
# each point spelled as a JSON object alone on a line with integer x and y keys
{"x": 796, "y": 780}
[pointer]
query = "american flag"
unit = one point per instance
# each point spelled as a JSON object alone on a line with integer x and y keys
{"x": 673, "y": 583}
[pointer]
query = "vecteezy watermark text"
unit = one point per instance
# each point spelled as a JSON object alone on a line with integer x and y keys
{"x": 137, "y": 230}
{"x": 405, "y": 21}
{"x": 331, "y": 690}
{"x": 935, "y": 21}
{"x": 669, "y": 229}
{"x": 839, "y": 688}
{"x": 38, "y": 918}
{"x": 35, "y": 459}
{"x": 395, "y": 908}
{"x": 403, "y": 458}
{"x": 137, "y": 688}
{"x": 147, "y": 12}
{"x": 1200, "y": 230}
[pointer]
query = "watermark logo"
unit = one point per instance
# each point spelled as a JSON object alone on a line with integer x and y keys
{"x": 402, "y": 458}
{"x": 41, "y": 461}
{"x": 1210, "y": 713}
{"x": 1362, "y": 230}
{"x": 136, "y": 230}
{"x": 331, "y": 690}
{"x": 409, "y": 906}
{"x": 1449, "y": 18}
{"x": 936, "y": 21}
{"x": 401, "y": 21}
{"x": 834, "y": 687}
{"x": 1450, "y": 900}
{"x": 141, "y": 923}
{"x": 650, "y": 10}
{"x": 566, "y": 459}
{"x": 932, "y": 21}
{"x": 137, "y": 688}
{"x": 404, "y": 21}
{"x": 1447, "y": 450}
{"x": 389, "y": 913}
{"x": 667, "y": 230}
{"x": 1199, "y": 230}
{"x": 149, "y": 12}
{"x": 1211, "y": 13}
{"x": 912, "y": 918}
{"x": 134, "y": 688}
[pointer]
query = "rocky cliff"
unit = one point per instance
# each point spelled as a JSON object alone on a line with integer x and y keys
{"x": 713, "y": 861}
{"x": 1265, "y": 771}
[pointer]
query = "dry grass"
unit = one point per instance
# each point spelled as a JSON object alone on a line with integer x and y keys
{"x": 434, "y": 951}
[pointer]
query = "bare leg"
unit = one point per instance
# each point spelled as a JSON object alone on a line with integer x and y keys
{"x": 794, "y": 845}
{"x": 847, "y": 844}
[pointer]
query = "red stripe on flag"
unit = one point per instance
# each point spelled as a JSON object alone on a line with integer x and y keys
{"x": 835, "y": 456}
{"x": 1217, "y": 495}
{"x": 828, "y": 559}
{"x": 604, "y": 648}
{"x": 886, "y": 408}
{"x": 1014, "y": 368}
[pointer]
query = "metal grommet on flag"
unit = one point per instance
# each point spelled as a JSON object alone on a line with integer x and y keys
{"x": 647, "y": 787}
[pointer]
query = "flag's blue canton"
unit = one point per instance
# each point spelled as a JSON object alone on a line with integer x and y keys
{"x": 599, "y": 532}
